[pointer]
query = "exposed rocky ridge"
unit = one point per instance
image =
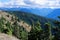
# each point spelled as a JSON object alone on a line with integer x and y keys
{"x": 8, "y": 17}
{"x": 7, "y": 37}
{"x": 11, "y": 20}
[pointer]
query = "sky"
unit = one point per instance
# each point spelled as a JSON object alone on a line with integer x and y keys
{"x": 30, "y": 3}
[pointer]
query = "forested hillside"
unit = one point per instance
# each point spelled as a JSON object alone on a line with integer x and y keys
{"x": 27, "y": 26}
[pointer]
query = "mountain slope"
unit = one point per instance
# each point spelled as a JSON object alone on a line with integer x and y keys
{"x": 9, "y": 17}
{"x": 11, "y": 25}
{"x": 54, "y": 14}
{"x": 47, "y": 29}
{"x": 27, "y": 26}
{"x": 26, "y": 16}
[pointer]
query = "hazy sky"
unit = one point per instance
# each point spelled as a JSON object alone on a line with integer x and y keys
{"x": 30, "y": 3}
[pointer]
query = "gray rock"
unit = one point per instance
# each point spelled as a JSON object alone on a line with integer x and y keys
{"x": 7, "y": 37}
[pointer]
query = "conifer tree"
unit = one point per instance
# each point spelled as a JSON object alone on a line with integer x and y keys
{"x": 48, "y": 27}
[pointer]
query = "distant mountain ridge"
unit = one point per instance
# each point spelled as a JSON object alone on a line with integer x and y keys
{"x": 37, "y": 11}
{"x": 54, "y": 14}
{"x": 46, "y": 12}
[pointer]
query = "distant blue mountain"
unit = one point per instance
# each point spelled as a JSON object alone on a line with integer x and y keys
{"x": 37, "y": 11}
{"x": 9, "y": 9}
{"x": 46, "y": 12}
{"x": 54, "y": 14}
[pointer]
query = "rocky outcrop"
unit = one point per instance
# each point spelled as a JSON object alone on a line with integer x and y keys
{"x": 7, "y": 37}
{"x": 8, "y": 17}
